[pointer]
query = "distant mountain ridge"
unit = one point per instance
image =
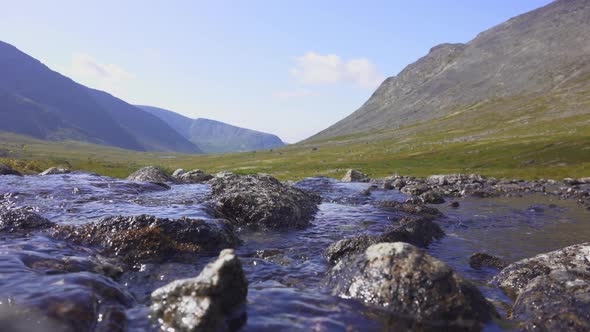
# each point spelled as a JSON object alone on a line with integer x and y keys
{"x": 39, "y": 102}
{"x": 545, "y": 52}
{"x": 215, "y": 136}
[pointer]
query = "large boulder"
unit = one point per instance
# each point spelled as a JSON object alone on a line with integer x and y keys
{"x": 22, "y": 220}
{"x": 7, "y": 170}
{"x": 420, "y": 232}
{"x": 55, "y": 171}
{"x": 194, "y": 176}
{"x": 355, "y": 176}
{"x": 148, "y": 238}
{"x": 150, "y": 174}
{"x": 559, "y": 301}
{"x": 409, "y": 283}
{"x": 517, "y": 275}
{"x": 261, "y": 201}
{"x": 213, "y": 301}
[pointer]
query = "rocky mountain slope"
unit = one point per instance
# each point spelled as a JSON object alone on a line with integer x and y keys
{"x": 214, "y": 136}
{"x": 541, "y": 58}
{"x": 38, "y": 102}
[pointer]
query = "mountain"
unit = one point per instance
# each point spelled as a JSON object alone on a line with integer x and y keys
{"x": 38, "y": 102}
{"x": 528, "y": 72}
{"x": 214, "y": 136}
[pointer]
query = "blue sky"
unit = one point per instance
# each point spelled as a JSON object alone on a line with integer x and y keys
{"x": 287, "y": 67}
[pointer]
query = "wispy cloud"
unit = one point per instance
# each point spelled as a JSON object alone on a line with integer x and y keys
{"x": 296, "y": 94}
{"x": 316, "y": 68}
{"x": 85, "y": 65}
{"x": 104, "y": 76}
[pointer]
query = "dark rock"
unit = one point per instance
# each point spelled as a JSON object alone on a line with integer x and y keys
{"x": 150, "y": 174}
{"x": 7, "y": 170}
{"x": 408, "y": 208}
{"x": 16, "y": 319}
{"x": 261, "y": 201}
{"x": 571, "y": 182}
{"x": 408, "y": 282}
{"x": 22, "y": 220}
{"x": 559, "y": 301}
{"x": 387, "y": 185}
{"x": 479, "y": 260}
{"x": 454, "y": 204}
{"x": 147, "y": 238}
{"x": 431, "y": 197}
{"x": 398, "y": 183}
{"x": 355, "y": 176}
{"x": 194, "y": 176}
{"x": 518, "y": 275}
{"x": 55, "y": 171}
{"x": 416, "y": 231}
{"x": 212, "y": 301}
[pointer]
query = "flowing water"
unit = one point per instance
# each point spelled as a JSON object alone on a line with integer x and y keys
{"x": 285, "y": 268}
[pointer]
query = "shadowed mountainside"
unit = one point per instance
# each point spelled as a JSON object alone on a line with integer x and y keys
{"x": 36, "y": 101}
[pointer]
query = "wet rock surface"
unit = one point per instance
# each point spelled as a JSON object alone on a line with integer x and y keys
{"x": 145, "y": 238}
{"x": 7, "y": 170}
{"x": 213, "y": 301}
{"x": 559, "y": 301}
{"x": 151, "y": 174}
{"x": 22, "y": 220}
{"x": 518, "y": 275}
{"x": 261, "y": 201}
{"x": 416, "y": 231}
{"x": 408, "y": 282}
{"x": 482, "y": 260}
{"x": 55, "y": 171}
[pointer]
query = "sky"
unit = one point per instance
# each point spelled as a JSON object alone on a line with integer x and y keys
{"x": 291, "y": 68}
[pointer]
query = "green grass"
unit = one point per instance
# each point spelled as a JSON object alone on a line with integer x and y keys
{"x": 525, "y": 137}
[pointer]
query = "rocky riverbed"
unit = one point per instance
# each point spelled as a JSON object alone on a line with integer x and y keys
{"x": 192, "y": 251}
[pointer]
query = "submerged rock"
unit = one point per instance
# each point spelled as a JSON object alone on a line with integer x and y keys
{"x": 261, "y": 201}
{"x": 559, "y": 301}
{"x": 355, "y": 176}
{"x": 482, "y": 260}
{"x": 150, "y": 174}
{"x": 22, "y": 220}
{"x": 408, "y": 282}
{"x": 410, "y": 208}
{"x": 194, "y": 176}
{"x": 417, "y": 231}
{"x": 213, "y": 301}
{"x": 55, "y": 171}
{"x": 7, "y": 170}
{"x": 517, "y": 275}
{"x": 147, "y": 238}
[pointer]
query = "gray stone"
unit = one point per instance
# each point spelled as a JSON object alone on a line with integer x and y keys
{"x": 150, "y": 174}
{"x": 22, "y": 220}
{"x": 517, "y": 276}
{"x": 177, "y": 173}
{"x": 408, "y": 282}
{"x": 559, "y": 301}
{"x": 355, "y": 176}
{"x": 194, "y": 176}
{"x": 209, "y": 302}
{"x": 261, "y": 201}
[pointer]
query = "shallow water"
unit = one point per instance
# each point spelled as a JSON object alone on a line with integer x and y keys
{"x": 284, "y": 268}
